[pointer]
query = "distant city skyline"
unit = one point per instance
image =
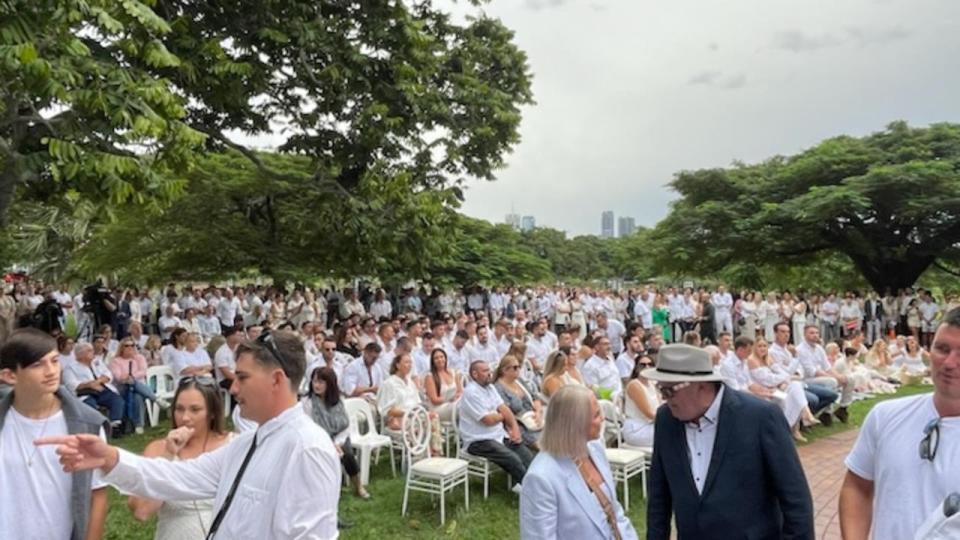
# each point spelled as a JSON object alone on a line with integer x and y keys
{"x": 626, "y": 226}
{"x": 606, "y": 224}
{"x": 630, "y": 93}
{"x": 528, "y": 223}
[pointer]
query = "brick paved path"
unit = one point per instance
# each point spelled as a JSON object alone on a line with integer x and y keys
{"x": 823, "y": 462}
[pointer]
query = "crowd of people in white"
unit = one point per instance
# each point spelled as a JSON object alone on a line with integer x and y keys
{"x": 467, "y": 355}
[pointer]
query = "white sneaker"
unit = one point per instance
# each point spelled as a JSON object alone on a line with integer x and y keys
{"x": 164, "y": 404}
{"x": 138, "y": 430}
{"x": 517, "y": 488}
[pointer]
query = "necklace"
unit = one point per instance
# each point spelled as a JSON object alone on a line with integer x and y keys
{"x": 29, "y": 456}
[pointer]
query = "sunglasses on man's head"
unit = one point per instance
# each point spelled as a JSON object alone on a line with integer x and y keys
{"x": 201, "y": 380}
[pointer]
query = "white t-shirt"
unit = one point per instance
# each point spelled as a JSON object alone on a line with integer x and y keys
{"x": 907, "y": 489}
{"x": 224, "y": 357}
{"x": 37, "y": 501}
{"x": 184, "y": 358}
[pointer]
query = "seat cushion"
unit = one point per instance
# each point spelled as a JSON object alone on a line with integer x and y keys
{"x": 438, "y": 466}
{"x": 621, "y": 456}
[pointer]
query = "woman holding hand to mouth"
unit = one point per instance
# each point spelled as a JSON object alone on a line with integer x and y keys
{"x": 198, "y": 428}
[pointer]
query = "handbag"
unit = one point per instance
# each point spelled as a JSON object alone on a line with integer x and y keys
{"x": 529, "y": 421}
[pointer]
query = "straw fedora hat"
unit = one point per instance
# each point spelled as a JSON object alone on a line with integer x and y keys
{"x": 682, "y": 363}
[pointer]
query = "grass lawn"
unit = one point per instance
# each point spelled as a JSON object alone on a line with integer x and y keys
{"x": 859, "y": 409}
{"x": 496, "y": 517}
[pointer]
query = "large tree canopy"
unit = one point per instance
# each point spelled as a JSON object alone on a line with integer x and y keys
{"x": 890, "y": 202}
{"x": 391, "y": 105}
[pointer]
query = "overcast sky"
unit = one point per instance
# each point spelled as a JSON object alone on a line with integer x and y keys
{"x": 631, "y": 91}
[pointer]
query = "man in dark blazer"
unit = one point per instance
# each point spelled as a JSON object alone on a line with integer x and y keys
{"x": 723, "y": 463}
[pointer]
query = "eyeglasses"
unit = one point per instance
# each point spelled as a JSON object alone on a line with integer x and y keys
{"x": 127, "y": 345}
{"x": 931, "y": 440}
{"x": 667, "y": 392}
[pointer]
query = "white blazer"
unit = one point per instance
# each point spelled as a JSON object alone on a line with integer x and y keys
{"x": 556, "y": 503}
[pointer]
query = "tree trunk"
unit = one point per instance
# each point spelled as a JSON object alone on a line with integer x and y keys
{"x": 893, "y": 274}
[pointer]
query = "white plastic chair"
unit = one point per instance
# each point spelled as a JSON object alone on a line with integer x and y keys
{"x": 227, "y": 401}
{"x": 434, "y": 475}
{"x": 366, "y": 443}
{"x": 161, "y": 380}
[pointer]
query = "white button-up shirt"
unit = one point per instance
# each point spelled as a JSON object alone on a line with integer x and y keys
{"x": 813, "y": 358}
{"x": 356, "y": 374}
{"x": 290, "y": 488}
{"x": 488, "y": 353}
{"x": 789, "y": 362}
{"x": 735, "y": 372}
{"x": 457, "y": 358}
{"x": 700, "y": 438}
{"x": 76, "y": 373}
{"x": 479, "y": 401}
{"x": 602, "y": 373}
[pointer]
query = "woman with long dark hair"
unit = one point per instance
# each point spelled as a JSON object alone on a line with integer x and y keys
{"x": 443, "y": 385}
{"x": 323, "y": 404}
{"x": 198, "y": 428}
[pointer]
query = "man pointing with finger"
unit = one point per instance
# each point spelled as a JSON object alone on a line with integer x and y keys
{"x": 280, "y": 482}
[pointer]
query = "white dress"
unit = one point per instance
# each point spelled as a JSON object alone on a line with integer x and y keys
{"x": 795, "y": 400}
{"x": 447, "y": 391}
{"x": 185, "y": 520}
{"x": 637, "y": 428}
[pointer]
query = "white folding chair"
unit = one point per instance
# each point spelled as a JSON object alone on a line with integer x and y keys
{"x": 434, "y": 475}
{"x": 611, "y": 422}
{"x": 358, "y": 409}
{"x": 161, "y": 380}
{"x": 624, "y": 465}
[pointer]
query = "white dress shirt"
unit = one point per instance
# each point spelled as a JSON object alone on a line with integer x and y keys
{"x": 700, "y": 438}
{"x": 625, "y": 364}
{"x": 723, "y": 302}
{"x": 183, "y": 359}
{"x": 602, "y": 373}
{"x": 356, "y": 374}
{"x": 457, "y": 359}
{"x": 290, "y": 489}
{"x": 813, "y": 358}
{"x": 421, "y": 362}
{"x": 488, "y": 353}
{"x": 225, "y": 357}
{"x": 76, "y": 373}
{"x": 787, "y": 361}
{"x": 735, "y": 372}
{"x": 479, "y": 401}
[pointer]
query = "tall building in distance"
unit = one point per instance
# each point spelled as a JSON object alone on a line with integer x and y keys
{"x": 513, "y": 220}
{"x": 626, "y": 226}
{"x": 528, "y": 223}
{"x": 606, "y": 224}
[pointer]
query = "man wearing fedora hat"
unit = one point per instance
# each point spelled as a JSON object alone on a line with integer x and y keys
{"x": 718, "y": 452}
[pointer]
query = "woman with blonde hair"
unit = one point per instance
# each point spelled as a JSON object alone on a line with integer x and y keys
{"x": 151, "y": 351}
{"x": 561, "y": 370}
{"x": 527, "y": 410}
{"x": 770, "y": 374}
{"x": 568, "y": 491}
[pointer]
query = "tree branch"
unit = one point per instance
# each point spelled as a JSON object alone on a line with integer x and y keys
{"x": 263, "y": 167}
{"x": 950, "y": 271}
